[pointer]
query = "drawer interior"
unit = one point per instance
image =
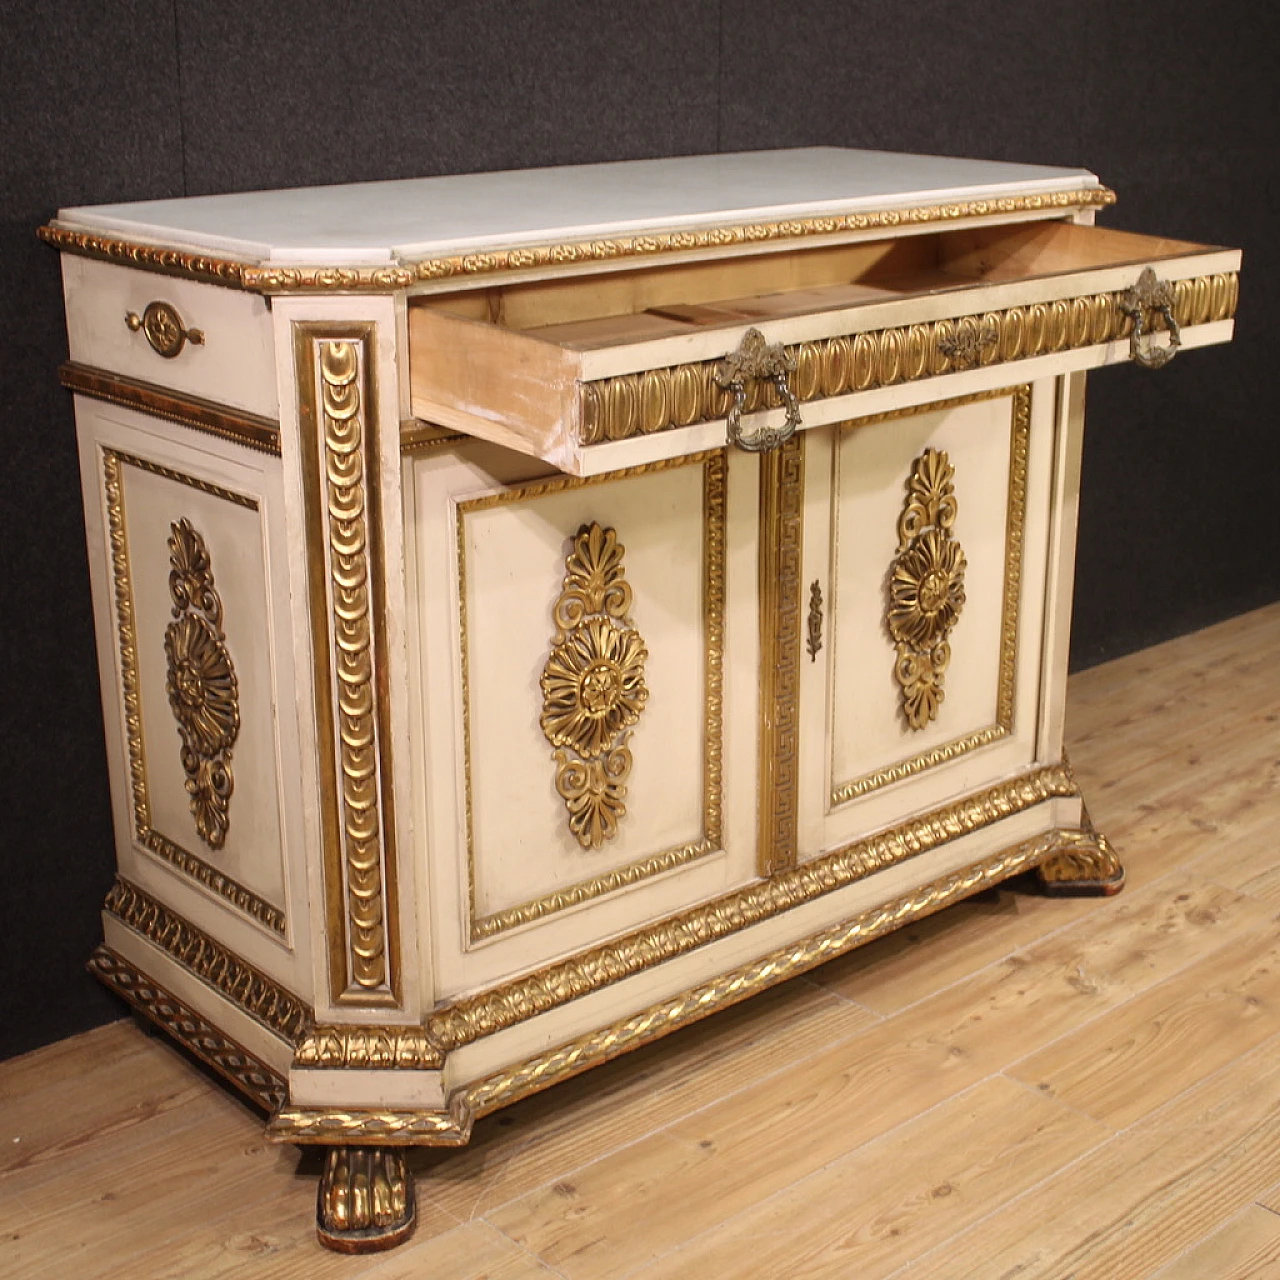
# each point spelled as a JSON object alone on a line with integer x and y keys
{"x": 588, "y": 313}
{"x": 528, "y": 364}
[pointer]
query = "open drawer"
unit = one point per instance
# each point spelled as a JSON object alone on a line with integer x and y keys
{"x": 601, "y": 371}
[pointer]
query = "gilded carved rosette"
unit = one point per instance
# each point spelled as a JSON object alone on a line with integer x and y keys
{"x": 926, "y": 586}
{"x": 201, "y": 683}
{"x": 593, "y": 688}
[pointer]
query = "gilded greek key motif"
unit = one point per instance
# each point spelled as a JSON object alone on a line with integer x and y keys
{"x": 593, "y": 687}
{"x": 201, "y": 683}
{"x": 926, "y": 586}
{"x": 781, "y": 557}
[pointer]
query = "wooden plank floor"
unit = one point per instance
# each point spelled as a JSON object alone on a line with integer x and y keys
{"x": 1019, "y": 1086}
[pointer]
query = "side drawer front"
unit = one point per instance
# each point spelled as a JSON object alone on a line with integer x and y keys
{"x": 572, "y": 640}
{"x": 931, "y": 561}
{"x": 190, "y": 595}
{"x": 233, "y": 363}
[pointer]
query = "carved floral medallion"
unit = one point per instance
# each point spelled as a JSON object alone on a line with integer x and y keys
{"x": 201, "y": 684}
{"x": 593, "y": 688}
{"x": 926, "y": 586}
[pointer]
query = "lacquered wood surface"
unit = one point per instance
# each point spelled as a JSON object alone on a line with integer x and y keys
{"x": 1018, "y": 1085}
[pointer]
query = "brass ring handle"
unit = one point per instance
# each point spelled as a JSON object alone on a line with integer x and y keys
{"x": 1150, "y": 294}
{"x": 162, "y": 327}
{"x": 756, "y": 360}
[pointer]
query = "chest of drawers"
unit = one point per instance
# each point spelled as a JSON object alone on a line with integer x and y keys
{"x": 536, "y": 610}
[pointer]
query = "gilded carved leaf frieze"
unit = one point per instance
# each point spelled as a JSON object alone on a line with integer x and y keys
{"x": 926, "y": 586}
{"x": 201, "y": 683}
{"x": 593, "y": 687}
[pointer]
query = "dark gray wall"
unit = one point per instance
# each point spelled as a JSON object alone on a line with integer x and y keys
{"x": 1171, "y": 104}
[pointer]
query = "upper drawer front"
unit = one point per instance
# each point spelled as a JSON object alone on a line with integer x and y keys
{"x": 901, "y": 322}
{"x": 220, "y": 338}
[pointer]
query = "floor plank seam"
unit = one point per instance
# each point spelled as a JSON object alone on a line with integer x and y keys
{"x": 1088, "y": 909}
{"x": 537, "y": 1258}
{"x": 840, "y": 995}
{"x": 670, "y": 1122}
{"x": 1197, "y": 957}
{"x": 757, "y": 1205}
{"x": 974, "y": 1228}
{"x": 1039, "y": 1092}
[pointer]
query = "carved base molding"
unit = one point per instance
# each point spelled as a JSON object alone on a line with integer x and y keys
{"x": 231, "y": 1061}
{"x": 366, "y": 1201}
{"x": 312, "y": 1126}
{"x": 209, "y": 961}
{"x": 453, "y": 1127}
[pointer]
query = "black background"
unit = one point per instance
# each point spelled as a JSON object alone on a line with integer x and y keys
{"x": 1171, "y": 103}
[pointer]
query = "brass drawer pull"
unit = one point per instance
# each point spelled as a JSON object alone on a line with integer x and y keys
{"x": 162, "y": 327}
{"x": 1150, "y": 294}
{"x": 756, "y": 360}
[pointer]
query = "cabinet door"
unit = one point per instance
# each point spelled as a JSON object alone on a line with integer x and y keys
{"x": 585, "y": 743}
{"x": 926, "y": 541}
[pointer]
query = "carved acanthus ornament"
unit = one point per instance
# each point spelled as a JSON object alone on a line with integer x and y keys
{"x": 926, "y": 586}
{"x": 201, "y": 683}
{"x": 593, "y": 688}
{"x": 966, "y": 345}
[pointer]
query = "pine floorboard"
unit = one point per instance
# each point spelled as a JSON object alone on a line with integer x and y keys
{"x": 1018, "y": 1086}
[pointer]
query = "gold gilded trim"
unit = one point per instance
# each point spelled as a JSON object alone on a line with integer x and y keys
{"x": 319, "y": 1126}
{"x": 230, "y": 1060}
{"x": 540, "y": 1072}
{"x": 863, "y": 361}
{"x": 368, "y": 1049}
{"x": 237, "y": 981}
{"x": 245, "y": 275}
{"x": 341, "y": 466}
{"x": 593, "y": 689}
{"x": 212, "y": 879}
{"x": 715, "y": 483}
{"x": 925, "y": 587}
{"x": 146, "y": 257}
{"x": 655, "y": 244}
{"x": 238, "y": 425}
{"x": 522, "y": 998}
{"x": 1020, "y": 430}
{"x": 781, "y": 554}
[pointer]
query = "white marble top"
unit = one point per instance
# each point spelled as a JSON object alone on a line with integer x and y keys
{"x": 374, "y": 223}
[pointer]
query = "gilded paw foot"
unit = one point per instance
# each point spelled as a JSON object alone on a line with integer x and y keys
{"x": 366, "y": 1199}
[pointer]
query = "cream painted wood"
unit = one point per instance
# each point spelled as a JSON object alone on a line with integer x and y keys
{"x": 853, "y": 727}
{"x": 234, "y": 365}
{"x": 374, "y": 1088}
{"x": 483, "y": 750}
{"x": 168, "y": 474}
{"x": 1060, "y": 575}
